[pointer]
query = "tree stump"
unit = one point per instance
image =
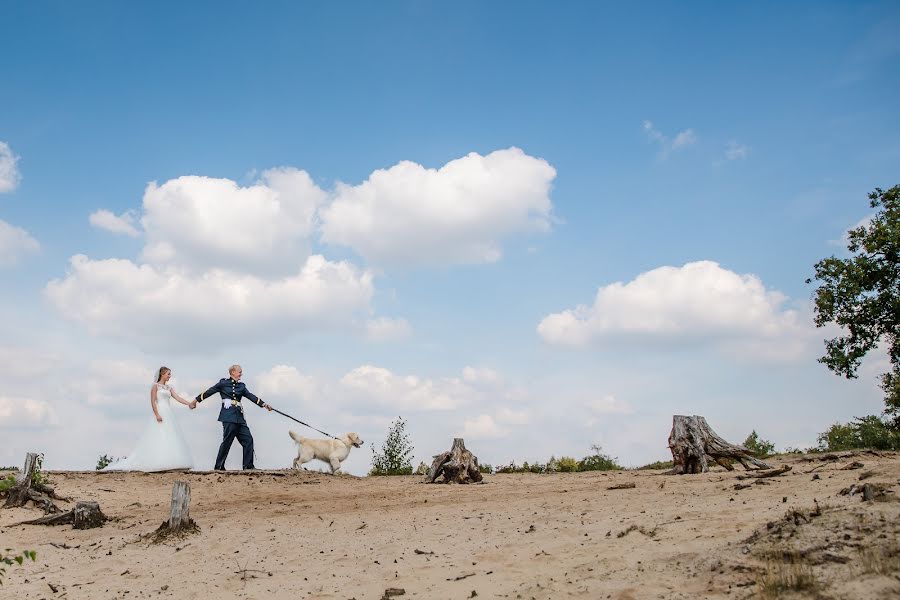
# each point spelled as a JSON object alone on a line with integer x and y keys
{"x": 693, "y": 442}
{"x": 180, "y": 522}
{"x": 457, "y": 466}
{"x": 26, "y": 489}
{"x": 180, "y": 516}
{"x": 85, "y": 515}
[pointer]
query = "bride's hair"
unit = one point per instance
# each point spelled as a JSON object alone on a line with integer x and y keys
{"x": 159, "y": 373}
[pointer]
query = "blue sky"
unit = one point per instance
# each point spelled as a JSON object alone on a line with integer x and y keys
{"x": 619, "y": 140}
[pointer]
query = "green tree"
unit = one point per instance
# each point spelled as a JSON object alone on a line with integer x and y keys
{"x": 862, "y": 432}
{"x": 758, "y": 447}
{"x": 395, "y": 457}
{"x": 861, "y": 294}
{"x": 104, "y": 461}
{"x": 598, "y": 461}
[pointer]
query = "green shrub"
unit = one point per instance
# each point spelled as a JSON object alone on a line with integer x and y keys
{"x": 758, "y": 447}
{"x": 485, "y": 468}
{"x": 564, "y": 464}
{"x": 395, "y": 457}
{"x": 658, "y": 465}
{"x": 598, "y": 461}
{"x": 104, "y": 461}
{"x": 863, "y": 432}
{"x": 7, "y": 483}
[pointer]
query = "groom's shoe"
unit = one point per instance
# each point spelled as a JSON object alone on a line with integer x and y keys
{"x": 250, "y": 468}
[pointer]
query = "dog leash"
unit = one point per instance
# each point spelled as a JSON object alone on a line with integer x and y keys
{"x": 305, "y": 424}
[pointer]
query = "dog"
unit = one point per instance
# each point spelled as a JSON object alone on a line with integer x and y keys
{"x": 333, "y": 452}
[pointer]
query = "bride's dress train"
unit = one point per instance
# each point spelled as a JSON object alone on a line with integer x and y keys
{"x": 162, "y": 445}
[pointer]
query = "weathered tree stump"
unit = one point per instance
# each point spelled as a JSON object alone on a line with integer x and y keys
{"x": 26, "y": 489}
{"x": 180, "y": 522}
{"x": 457, "y": 466}
{"x": 85, "y": 515}
{"x": 693, "y": 443}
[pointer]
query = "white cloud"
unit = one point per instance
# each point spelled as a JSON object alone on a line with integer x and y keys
{"x": 513, "y": 417}
{"x": 736, "y": 151}
{"x": 386, "y": 329}
{"x": 26, "y": 412}
{"x": 481, "y": 375}
{"x": 458, "y": 214}
{"x": 27, "y": 363}
{"x": 9, "y": 170}
{"x": 172, "y": 309}
{"x": 609, "y": 404}
{"x": 682, "y": 139}
{"x": 123, "y": 224}
{"x": 405, "y": 392}
{"x": 482, "y": 427}
{"x": 201, "y": 222}
{"x": 699, "y": 301}
{"x": 283, "y": 381}
{"x": 15, "y": 243}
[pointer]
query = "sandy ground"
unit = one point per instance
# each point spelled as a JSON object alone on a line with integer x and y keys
{"x": 309, "y": 535}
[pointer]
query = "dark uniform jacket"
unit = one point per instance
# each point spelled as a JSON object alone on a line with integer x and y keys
{"x": 231, "y": 392}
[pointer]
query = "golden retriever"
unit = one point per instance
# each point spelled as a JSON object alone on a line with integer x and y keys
{"x": 333, "y": 452}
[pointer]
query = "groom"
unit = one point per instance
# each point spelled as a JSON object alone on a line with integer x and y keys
{"x": 232, "y": 390}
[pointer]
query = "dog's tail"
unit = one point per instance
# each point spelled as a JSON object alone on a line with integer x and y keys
{"x": 297, "y": 437}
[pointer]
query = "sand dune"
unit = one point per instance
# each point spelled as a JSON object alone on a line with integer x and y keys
{"x": 310, "y": 535}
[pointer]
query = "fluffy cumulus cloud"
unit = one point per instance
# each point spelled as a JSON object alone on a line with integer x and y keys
{"x": 18, "y": 412}
{"x": 411, "y": 215}
{"x": 9, "y": 170}
{"x": 283, "y": 381}
{"x": 482, "y": 427}
{"x": 405, "y": 392}
{"x": 699, "y": 301}
{"x": 169, "y": 307}
{"x": 15, "y": 244}
{"x": 121, "y": 224}
{"x": 202, "y": 223}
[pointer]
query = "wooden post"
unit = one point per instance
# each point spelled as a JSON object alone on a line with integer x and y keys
{"x": 180, "y": 517}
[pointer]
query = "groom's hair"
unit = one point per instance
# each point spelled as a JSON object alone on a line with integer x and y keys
{"x": 233, "y": 368}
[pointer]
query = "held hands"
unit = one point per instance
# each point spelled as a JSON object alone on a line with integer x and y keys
{"x": 192, "y": 404}
{"x": 158, "y": 419}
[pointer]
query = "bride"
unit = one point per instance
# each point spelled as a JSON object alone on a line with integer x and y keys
{"x": 162, "y": 446}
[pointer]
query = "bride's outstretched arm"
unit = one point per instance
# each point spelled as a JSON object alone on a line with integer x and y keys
{"x": 179, "y": 398}
{"x": 153, "y": 403}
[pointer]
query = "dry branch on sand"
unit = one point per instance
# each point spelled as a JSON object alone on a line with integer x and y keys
{"x": 85, "y": 515}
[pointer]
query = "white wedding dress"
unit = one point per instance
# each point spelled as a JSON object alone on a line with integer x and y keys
{"x": 162, "y": 446}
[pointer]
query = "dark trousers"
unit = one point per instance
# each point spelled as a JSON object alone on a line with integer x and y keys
{"x": 242, "y": 433}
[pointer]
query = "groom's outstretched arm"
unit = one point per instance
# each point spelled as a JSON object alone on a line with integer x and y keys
{"x": 203, "y": 396}
{"x": 256, "y": 400}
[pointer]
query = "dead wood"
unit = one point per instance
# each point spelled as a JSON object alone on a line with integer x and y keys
{"x": 26, "y": 490}
{"x": 180, "y": 522}
{"x": 456, "y": 466}
{"x": 760, "y": 474}
{"x": 622, "y": 486}
{"x": 693, "y": 444}
{"x": 85, "y": 515}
